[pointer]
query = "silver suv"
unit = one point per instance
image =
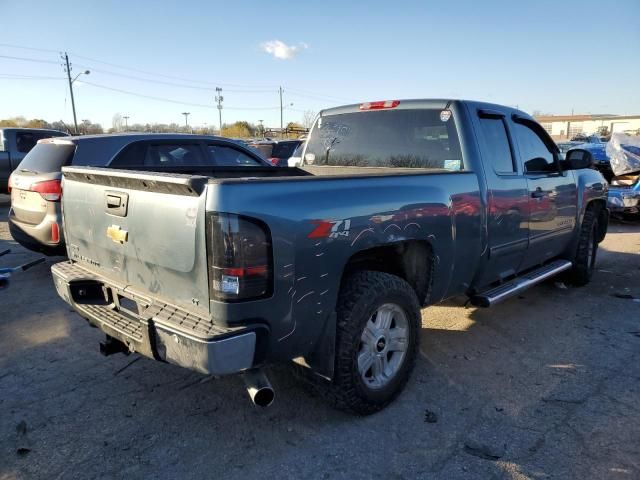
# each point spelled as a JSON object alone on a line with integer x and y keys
{"x": 35, "y": 219}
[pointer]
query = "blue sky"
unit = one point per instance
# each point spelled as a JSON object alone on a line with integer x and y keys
{"x": 548, "y": 56}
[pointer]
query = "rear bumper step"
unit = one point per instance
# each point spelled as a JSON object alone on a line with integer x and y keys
{"x": 509, "y": 289}
{"x": 159, "y": 331}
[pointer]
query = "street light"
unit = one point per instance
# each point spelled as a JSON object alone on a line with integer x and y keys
{"x": 86, "y": 72}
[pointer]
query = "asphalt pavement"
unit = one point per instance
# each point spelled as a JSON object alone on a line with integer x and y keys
{"x": 545, "y": 385}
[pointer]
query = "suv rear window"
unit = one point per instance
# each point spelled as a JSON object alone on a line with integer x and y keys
{"x": 284, "y": 149}
{"x": 47, "y": 157}
{"x": 387, "y": 138}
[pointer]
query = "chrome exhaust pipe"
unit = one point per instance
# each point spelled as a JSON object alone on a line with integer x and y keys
{"x": 258, "y": 387}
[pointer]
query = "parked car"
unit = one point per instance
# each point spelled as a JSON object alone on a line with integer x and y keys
{"x": 277, "y": 152}
{"x": 399, "y": 205}
{"x": 34, "y": 218}
{"x": 15, "y": 143}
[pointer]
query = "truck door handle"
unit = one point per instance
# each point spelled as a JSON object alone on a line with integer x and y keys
{"x": 116, "y": 203}
{"x": 538, "y": 193}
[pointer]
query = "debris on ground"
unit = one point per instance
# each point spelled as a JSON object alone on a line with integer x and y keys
{"x": 482, "y": 450}
{"x": 561, "y": 285}
{"x": 624, "y": 296}
{"x": 430, "y": 417}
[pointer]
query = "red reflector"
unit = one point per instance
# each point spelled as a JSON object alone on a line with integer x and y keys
{"x": 55, "y": 233}
{"x": 245, "y": 272}
{"x": 379, "y": 105}
{"x": 49, "y": 190}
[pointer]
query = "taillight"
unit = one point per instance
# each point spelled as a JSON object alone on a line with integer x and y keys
{"x": 10, "y": 184}
{"x": 273, "y": 161}
{"x": 379, "y": 105}
{"x": 239, "y": 257}
{"x": 49, "y": 190}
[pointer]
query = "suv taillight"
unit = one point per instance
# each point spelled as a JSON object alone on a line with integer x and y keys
{"x": 49, "y": 190}
{"x": 239, "y": 257}
{"x": 10, "y": 183}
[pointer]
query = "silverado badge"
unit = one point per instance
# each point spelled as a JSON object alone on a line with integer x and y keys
{"x": 115, "y": 233}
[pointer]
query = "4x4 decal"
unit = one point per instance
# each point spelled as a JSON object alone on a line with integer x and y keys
{"x": 330, "y": 228}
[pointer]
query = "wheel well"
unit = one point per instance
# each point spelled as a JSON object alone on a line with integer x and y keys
{"x": 412, "y": 261}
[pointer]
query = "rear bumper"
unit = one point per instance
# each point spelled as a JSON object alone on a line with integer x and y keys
{"x": 157, "y": 330}
{"x": 37, "y": 237}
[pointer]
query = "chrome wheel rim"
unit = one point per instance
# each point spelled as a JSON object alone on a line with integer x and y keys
{"x": 383, "y": 346}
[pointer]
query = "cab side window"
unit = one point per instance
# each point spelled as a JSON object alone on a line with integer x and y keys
{"x": 536, "y": 157}
{"x": 497, "y": 145}
{"x": 230, "y": 157}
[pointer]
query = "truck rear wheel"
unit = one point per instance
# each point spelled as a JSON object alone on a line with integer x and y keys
{"x": 585, "y": 259}
{"x": 376, "y": 341}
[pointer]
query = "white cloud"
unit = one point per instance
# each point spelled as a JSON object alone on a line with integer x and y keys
{"x": 281, "y": 50}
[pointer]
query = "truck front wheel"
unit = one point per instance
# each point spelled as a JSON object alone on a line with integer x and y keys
{"x": 585, "y": 259}
{"x": 376, "y": 342}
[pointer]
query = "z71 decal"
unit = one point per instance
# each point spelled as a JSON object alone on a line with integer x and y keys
{"x": 330, "y": 228}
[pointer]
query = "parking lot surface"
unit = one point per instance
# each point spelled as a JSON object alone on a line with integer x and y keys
{"x": 546, "y": 385}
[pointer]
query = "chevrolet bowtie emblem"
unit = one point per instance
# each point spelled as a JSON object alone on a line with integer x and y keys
{"x": 115, "y": 233}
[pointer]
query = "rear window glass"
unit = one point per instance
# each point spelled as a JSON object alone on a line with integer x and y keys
{"x": 388, "y": 138}
{"x": 284, "y": 150}
{"x": 47, "y": 157}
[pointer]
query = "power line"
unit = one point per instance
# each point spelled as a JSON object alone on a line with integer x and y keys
{"x": 161, "y": 82}
{"x": 29, "y": 48}
{"x": 155, "y": 74}
{"x": 168, "y": 100}
{"x": 25, "y": 59}
{"x": 240, "y": 88}
{"x": 9, "y": 76}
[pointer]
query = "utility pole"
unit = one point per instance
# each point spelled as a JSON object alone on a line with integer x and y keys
{"x": 186, "y": 118}
{"x": 219, "y": 99}
{"x": 73, "y": 103}
{"x": 281, "y": 115}
{"x": 261, "y": 128}
{"x": 67, "y": 69}
{"x": 126, "y": 123}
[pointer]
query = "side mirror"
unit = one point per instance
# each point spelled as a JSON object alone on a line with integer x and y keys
{"x": 577, "y": 159}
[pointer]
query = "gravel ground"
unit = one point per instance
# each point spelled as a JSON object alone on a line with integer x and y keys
{"x": 546, "y": 385}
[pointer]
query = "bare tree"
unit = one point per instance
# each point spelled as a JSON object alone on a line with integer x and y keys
{"x": 307, "y": 118}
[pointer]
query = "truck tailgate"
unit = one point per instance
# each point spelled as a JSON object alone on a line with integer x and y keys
{"x": 144, "y": 231}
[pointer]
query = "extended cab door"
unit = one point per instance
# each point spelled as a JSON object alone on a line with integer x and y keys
{"x": 507, "y": 198}
{"x": 552, "y": 193}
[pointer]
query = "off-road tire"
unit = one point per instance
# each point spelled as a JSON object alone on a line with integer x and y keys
{"x": 362, "y": 294}
{"x": 585, "y": 259}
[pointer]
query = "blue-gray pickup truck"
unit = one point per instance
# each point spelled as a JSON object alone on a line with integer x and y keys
{"x": 398, "y": 205}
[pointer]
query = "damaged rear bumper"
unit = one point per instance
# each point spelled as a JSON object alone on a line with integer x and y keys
{"x": 157, "y": 330}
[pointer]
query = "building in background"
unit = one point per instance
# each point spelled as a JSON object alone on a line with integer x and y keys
{"x": 563, "y": 127}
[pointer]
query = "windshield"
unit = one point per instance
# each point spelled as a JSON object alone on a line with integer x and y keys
{"x": 388, "y": 138}
{"x": 47, "y": 157}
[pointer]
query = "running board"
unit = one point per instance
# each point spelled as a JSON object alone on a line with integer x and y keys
{"x": 509, "y": 289}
